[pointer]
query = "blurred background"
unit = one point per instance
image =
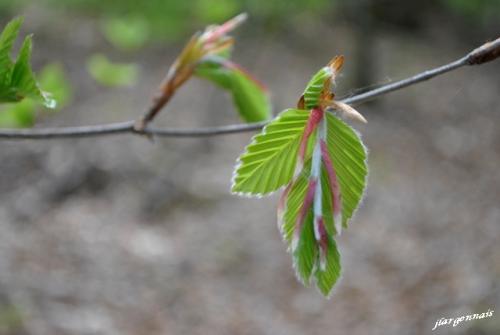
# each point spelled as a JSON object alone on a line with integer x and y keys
{"x": 119, "y": 235}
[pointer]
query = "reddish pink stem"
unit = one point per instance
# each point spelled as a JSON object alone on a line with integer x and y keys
{"x": 334, "y": 184}
{"x": 322, "y": 241}
{"x": 312, "y": 123}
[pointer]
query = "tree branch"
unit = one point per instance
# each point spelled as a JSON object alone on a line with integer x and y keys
{"x": 485, "y": 53}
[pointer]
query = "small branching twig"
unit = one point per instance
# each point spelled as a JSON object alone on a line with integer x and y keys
{"x": 485, "y": 53}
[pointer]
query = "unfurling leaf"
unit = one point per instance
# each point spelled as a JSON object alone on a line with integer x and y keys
{"x": 249, "y": 95}
{"x": 322, "y": 162}
{"x": 17, "y": 80}
{"x": 207, "y": 55}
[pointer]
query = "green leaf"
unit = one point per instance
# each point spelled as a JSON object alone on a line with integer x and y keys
{"x": 315, "y": 86}
{"x": 250, "y": 97}
{"x": 326, "y": 279}
{"x": 111, "y": 74}
{"x": 322, "y": 197}
{"x": 23, "y": 114}
{"x": 269, "y": 160}
{"x": 305, "y": 256}
{"x": 214, "y": 72}
{"x": 126, "y": 34}
{"x": 17, "y": 80}
{"x": 7, "y": 38}
{"x": 327, "y": 204}
{"x": 23, "y": 78}
{"x": 294, "y": 201}
{"x": 348, "y": 155}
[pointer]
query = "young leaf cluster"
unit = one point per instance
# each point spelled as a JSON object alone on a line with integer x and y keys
{"x": 321, "y": 162}
{"x": 206, "y": 55}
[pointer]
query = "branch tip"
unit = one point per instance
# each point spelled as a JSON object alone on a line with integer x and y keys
{"x": 485, "y": 53}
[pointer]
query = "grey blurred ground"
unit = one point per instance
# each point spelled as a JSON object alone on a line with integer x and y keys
{"x": 121, "y": 236}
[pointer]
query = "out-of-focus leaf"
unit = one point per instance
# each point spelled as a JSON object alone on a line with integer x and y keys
{"x": 249, "y": 96}
{"x": 111, "y": 74}
{"x": 269, "y": 160}
{"x": 214, "y": 72}
{"x": 207, "y": 11}
{"x": 23, "y": 78}
{"x": 251, "y": 99}
{"x": 7, "y": 39}
{"x": 17, "y": 80}
{"x": 126, "y": 34}
{"x": 18, "y": 115}
{"x": 475, "y": 9}
{"x": 24, "y": 113}
{"x": 53, "y": 79}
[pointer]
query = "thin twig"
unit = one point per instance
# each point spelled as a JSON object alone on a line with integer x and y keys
{"x": 126, "y": 127}
{"x": 483, "y": 54}
{"x": 69, "y": 132}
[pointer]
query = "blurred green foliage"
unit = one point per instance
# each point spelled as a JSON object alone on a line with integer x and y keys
{"x": 173, "y": 19}
{"x": 111, "y": 74}
{"x": 17, "y": 80}
{"x": 128, "y": 23}
{"x": 126, "y": 33}
{"x": 11, "y": 321}
{"x": 476, "y": 9}
{"x": 18, "y": 115}
{"x": 23, "y": 114}
{"x": 53, "y": 79}
{"x": 21, "y": 94}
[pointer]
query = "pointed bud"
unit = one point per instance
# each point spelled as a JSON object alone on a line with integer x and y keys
{"x": 347, "y": 111}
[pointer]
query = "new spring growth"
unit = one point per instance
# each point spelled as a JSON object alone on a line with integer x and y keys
{"x": 318, "y": 97}
{"x": 321, "y": 161}
{"x": 320, "y": 92}
{"x": 213, "y": 41}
